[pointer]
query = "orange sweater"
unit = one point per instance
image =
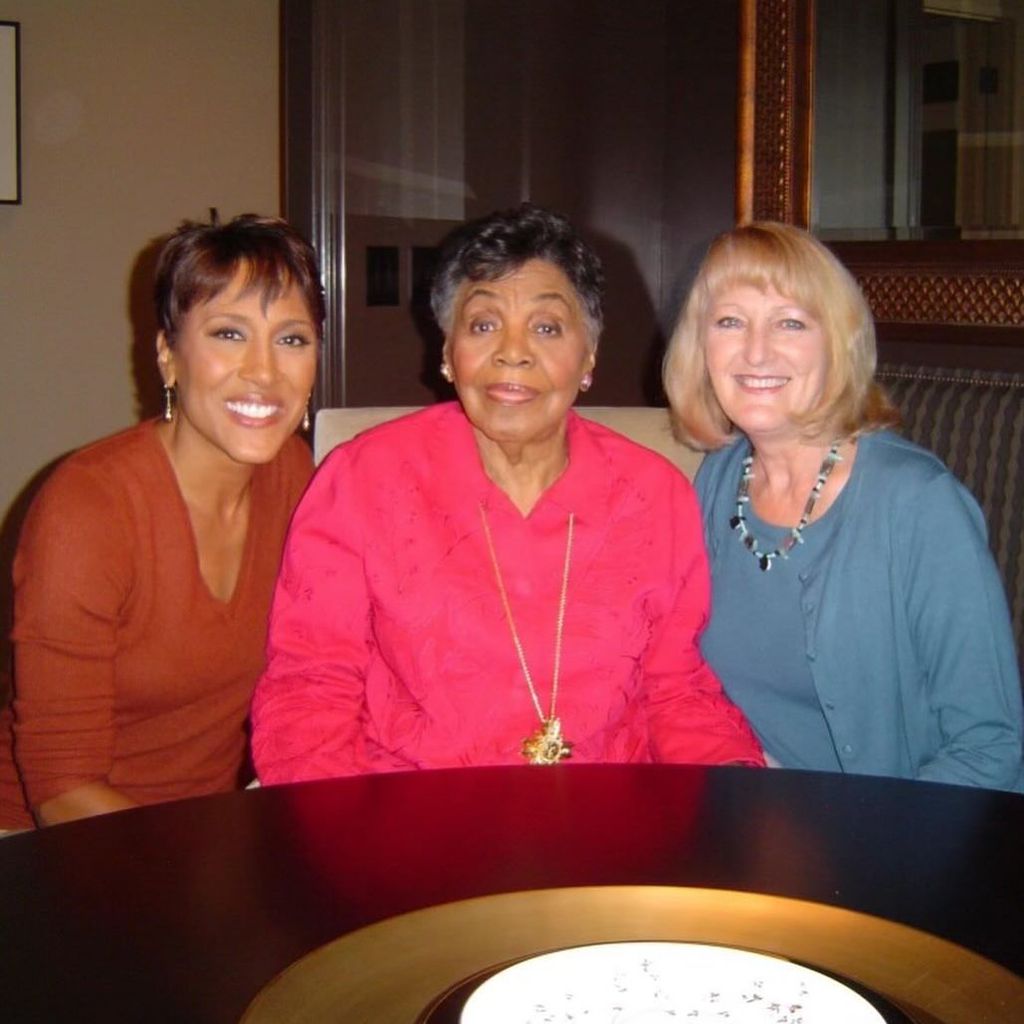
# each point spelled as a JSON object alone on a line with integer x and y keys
{"x": 127, "y": 670}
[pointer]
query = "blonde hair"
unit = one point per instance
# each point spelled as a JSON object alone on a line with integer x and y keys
{"x": 796, "y": 265}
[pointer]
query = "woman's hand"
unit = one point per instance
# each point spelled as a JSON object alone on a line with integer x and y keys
{"x": 82, "y": 802}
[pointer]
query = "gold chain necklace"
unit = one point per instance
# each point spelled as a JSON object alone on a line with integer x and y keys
{"x": 546, "y": 745}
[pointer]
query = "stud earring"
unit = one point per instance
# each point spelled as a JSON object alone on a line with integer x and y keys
{"x": 446, "y": 372}
{"x": 587, "y": 380}
{"x": 305, "y": 418}
{"x": 169, "y": 395}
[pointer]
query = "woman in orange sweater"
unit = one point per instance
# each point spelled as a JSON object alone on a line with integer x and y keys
{"x": 144, "y": 570}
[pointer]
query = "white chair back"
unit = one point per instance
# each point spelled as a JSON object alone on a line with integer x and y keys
{"x": 649, "y": 427}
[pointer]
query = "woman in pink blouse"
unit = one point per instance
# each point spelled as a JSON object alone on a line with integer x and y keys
{"x": 495, "y": 580}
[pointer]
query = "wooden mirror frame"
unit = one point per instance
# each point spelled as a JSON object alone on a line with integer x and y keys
{"x": 954, "y": 292}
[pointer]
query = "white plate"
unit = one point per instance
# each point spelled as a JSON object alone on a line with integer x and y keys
{"x": 663, "y": 983}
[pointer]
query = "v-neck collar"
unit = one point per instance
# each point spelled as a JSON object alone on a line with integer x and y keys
{"x": 582, "y": 488}
{"x": 185, "y": 522}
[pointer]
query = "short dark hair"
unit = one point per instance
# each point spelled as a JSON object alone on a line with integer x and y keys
{"x": 500, "y": 243}
{"x": 199, "y": 260}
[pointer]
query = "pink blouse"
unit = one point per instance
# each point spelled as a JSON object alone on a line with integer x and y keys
{"x": 389, "y": 648}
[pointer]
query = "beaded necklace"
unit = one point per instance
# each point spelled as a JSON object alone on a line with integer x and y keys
{"x": 796, "y": 535}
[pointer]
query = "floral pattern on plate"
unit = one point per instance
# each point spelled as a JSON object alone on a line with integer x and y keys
{"x": 663, "y": 983}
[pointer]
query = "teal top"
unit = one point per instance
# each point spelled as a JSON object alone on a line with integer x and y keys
{"x": 894, "y": 614}
{"x": 754, "y": 641}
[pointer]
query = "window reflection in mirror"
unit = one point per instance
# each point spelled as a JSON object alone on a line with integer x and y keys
{"x": 918, "y": 119}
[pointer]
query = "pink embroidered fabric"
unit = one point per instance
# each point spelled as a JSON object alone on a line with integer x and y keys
{"x": 389, "y": 649}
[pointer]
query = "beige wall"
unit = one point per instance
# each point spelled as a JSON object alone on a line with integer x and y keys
{"x": 135, "y": 114}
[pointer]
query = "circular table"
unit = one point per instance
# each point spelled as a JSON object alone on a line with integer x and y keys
{"x": 184, "y": 912}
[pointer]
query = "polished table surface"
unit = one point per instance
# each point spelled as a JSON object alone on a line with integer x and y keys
{"x": 183, "y": 912}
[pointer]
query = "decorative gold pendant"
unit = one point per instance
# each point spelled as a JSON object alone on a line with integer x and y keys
{"x": 546, "y": 745}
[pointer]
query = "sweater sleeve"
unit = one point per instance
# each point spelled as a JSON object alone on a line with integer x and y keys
{"x": 72, "y": 576}
{"x": 960, "y": 626}
{"x": 690, "y": 717}
{"x": 308, "y": 718}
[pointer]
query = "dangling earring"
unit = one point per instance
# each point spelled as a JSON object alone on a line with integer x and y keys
{"x": 168, "y": 414}
{"x": 588, "y": 379}
{"x": 446, "y": 372}
{"x": 305, "y": 418}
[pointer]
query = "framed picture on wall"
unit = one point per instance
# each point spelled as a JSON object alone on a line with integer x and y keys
{"x": 10, "y": 114}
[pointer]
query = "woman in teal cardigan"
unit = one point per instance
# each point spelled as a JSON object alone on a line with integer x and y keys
{"x": 858, "y": 617}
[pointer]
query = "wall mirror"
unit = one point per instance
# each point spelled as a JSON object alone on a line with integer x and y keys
{"x": 918, "y": 120}
{"x": 893, "y": 129}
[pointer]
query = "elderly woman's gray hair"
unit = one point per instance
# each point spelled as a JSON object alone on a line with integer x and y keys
{"x": 500, "y": 243}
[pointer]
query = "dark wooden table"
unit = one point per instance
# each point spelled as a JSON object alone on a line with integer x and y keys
{"x": 183, "y": 912}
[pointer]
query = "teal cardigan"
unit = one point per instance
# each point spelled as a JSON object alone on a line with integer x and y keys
{"x": 907, "y": 633}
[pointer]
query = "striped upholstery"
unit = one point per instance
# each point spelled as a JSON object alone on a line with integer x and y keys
{"x": 974, "y": 421}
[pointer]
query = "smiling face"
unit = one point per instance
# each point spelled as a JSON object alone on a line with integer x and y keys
{"x": 518, "y": 349}
{"x": 767, "y": 359}
{"x": 244, "y": 369}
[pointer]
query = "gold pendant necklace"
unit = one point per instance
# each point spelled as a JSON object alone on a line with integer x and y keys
{"x": 546, "y": 745}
